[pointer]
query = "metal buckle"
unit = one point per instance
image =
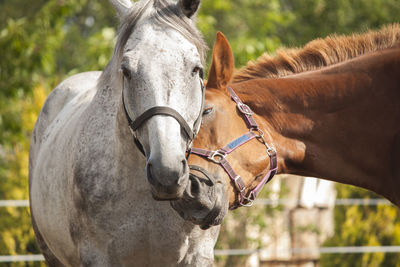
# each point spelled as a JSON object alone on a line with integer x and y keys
{"x": 260, "y": 136}
{"x": 249, "y": 199}
{"x": 260, "y": 133}
{"x": 217, "y": 156}
{"x": 245, "y": 109}
{"x": 235, "y": 180}
{"x": 270, "y": 149}
{"x": 249, "y": 203}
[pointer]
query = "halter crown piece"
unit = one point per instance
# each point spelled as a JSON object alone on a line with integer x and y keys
{"x": 219, "y": 156}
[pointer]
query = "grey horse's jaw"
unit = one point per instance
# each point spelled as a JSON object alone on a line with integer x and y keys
{"x": 203, "y": 203}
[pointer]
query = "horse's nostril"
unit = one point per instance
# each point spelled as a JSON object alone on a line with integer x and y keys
{"x": 194, "y": 187}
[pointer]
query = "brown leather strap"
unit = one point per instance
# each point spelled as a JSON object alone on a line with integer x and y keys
{"x": 167, "y": 111}
{"x": 218, "y": 156}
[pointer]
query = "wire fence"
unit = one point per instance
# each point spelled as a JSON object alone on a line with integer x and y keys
{"x": 238, "y": 252}
{"x": 14, "y": 203}
{"x": 241, "y": 252}
{"x": 261, "y": 201}
{"x": 21, "y": 258}
{"x": 338, "y": 202}
{"x": 321, "y": 250}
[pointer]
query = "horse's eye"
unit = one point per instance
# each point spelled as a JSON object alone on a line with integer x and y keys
{"x": 126, "y": 71}
{"x": 198, "y": 70}
{"x": 207, "y": 110}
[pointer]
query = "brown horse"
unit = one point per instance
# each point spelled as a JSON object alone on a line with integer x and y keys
{"x": 331, "y": 110}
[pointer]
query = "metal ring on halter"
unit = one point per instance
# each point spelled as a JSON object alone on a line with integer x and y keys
{"x": 241, "y": 190}
{"x": 261, "y": 136}
{"x": 217, "y": 154}
{"x": 270, "y": 149}
{"x": 245, "y": 109}
{"x": 258, "y": 131}
{"x": 250, "y": 201}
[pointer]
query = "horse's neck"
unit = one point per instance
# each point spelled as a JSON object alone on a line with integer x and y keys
{"x": 339, "y": 123}
{"x": 108, "y": 103}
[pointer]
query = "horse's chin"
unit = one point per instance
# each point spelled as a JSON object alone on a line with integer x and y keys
{"x": 204, "y": 202}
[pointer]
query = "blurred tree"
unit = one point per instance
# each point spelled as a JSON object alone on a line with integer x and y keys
{"x": 363, "y": 226}
{"x": 52, "y": 39}
{"x": 319, "y": 18}
{"x": 256, "y": 26}
{"x": 252, "y": 27}
{"x": 40, "y": 46}
{"x": 16, "y": 233}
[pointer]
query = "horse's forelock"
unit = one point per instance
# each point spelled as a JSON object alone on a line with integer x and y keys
{"x": 165, "y": 12}
{"x": 168, "y": 13}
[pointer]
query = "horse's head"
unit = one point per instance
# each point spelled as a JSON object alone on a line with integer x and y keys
{"x": 223, "y": 129}
{"x": 161, "y": 55}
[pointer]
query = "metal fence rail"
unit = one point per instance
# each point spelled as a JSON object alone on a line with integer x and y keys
{"x": 23, "y": 258}
{"x": 239, "y": 252}
{"x": 261, "y": 201}
{"x": 338, "y": 202}
{"x": 321, "y": 250}
{"x": 14, "y": 203}
{"x": 233, "y": 252}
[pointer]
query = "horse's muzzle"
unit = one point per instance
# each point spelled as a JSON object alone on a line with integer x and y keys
{"x": 167, "y": 182}
{"x": 205, "y": 201}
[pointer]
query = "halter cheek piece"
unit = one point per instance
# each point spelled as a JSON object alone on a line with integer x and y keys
{"x": 167, "y": 111}
{"x": 219, "y": 156}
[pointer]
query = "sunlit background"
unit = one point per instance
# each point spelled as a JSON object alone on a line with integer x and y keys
{"x": 296, "y": 222}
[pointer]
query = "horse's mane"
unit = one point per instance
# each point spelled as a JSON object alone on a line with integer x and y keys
{"x": 164, "y": 12}
{"x": 319, "y": 53}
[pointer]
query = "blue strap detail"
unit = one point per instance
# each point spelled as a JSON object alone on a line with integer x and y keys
{"x": 237, "y": 142}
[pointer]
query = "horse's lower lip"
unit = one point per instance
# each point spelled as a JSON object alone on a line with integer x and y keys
{"x": 204, "y": 202}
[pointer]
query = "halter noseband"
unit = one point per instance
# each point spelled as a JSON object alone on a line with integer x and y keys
{"x": 219, "y": 156}
{"x": 167, "y": 111}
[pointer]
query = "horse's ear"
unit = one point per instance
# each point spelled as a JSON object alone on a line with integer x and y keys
{"x": 189, "y": 7}
{"x": 222, "y": 65}
{"x": 122, "y": 7}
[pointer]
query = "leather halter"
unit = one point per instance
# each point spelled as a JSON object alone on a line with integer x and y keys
{"x": 167, "y": 111}
{"x": 219, "y": 156}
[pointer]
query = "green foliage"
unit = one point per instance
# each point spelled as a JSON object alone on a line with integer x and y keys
{"x": 16, "y": 233}
{"x": 234, "y": 233}
{"x": 52, "y": 39}
{"x": 252, "y": 27}
{"x": 364, "y": 226}
{"x": 319, "y": 18}
{"x": 257, "y": 26}
{"x": 40, "y": 46}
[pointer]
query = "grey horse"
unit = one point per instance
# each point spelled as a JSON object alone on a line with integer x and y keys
{"x": 92, "y": 189}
